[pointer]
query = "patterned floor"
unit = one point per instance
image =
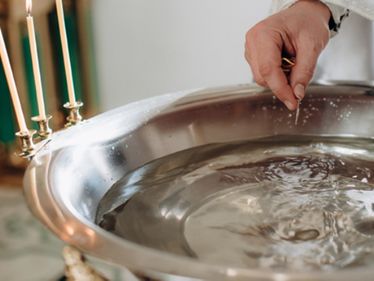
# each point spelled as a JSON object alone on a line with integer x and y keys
{"x": 28, "y": 252}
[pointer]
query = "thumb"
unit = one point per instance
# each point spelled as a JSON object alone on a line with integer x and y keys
{"x": 302, "y": 72}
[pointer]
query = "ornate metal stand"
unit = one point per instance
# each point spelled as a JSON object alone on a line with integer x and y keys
{"x": 44, "y": 131}
{"x": 76, "y": 268}
{"x": 27, "y": 144}
{"x": 74, "y": 115}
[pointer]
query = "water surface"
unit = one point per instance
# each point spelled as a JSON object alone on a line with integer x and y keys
{"x": 281, "y": 203}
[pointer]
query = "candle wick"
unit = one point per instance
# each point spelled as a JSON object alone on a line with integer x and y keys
{"x": 28, "y": 7}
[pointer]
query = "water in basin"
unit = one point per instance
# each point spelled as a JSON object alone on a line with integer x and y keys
{"x": 286, "y": 203}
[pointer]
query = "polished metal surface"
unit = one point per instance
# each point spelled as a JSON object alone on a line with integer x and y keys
{"x": 71, "y": 173}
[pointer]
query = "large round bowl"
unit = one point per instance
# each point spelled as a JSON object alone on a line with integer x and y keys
{"x": 75, "y": 168}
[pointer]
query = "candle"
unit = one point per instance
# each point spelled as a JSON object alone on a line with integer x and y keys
{"x": 35, "y": 60}
{"x": 12, "y": 86}
{"x": 65, "y": 51}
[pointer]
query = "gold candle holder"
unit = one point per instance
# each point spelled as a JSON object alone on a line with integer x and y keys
{"x": 74, "y": 116}
{"x": 44, "y": 131}
{"x": 27, "y": 143}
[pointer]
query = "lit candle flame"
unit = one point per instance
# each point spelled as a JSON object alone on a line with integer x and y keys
{"x": 28, "y": 7}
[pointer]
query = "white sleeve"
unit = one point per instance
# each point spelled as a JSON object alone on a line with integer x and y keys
{"x": 364, "y": 8}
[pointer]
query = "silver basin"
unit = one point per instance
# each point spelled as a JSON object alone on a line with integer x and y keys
{"x": 71, "y": 173}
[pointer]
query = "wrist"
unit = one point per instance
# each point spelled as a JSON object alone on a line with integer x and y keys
{"x": 332, "y": 14}
{"x": 316, "y": 6}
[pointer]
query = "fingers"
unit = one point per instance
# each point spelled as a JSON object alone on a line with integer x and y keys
{"x": 256, "y": 74}
{"x": 264, "y": 56}
{"x": 278, "y": 83}
{"x": 302, "y": 72}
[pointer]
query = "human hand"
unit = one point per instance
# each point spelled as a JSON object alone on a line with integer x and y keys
{"x": 300, "y": 31}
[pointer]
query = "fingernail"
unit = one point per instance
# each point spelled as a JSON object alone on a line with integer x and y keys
{"x": 289, "y": 105}
{"x": 299, "y": 91}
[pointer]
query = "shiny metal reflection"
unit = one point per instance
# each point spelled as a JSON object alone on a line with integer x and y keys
{"x": 68, "y": 177}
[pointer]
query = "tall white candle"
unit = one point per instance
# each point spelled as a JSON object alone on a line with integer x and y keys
{"x": 35, "y": 60}
{"x": 65, "y": 51}
{"x": 12, "y": 86}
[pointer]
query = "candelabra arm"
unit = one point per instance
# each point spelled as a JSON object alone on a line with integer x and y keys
{"x": 44, "y": 131}
{"x": 74, "y": 116}
{"x": 27, "y": 144}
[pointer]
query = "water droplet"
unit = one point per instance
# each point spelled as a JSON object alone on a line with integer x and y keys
{"x": 305, "y": 235}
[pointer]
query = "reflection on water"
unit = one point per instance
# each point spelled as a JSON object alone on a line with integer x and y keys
{"x": 278, "y": 203}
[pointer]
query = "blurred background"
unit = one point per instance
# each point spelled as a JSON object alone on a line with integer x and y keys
{"x": 146, "y": 48}
{"x": 121, "y": 51}
{"x": 126, "y": 50}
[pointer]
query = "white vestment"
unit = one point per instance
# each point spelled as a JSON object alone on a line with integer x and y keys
{"x": 350, "y": 54}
